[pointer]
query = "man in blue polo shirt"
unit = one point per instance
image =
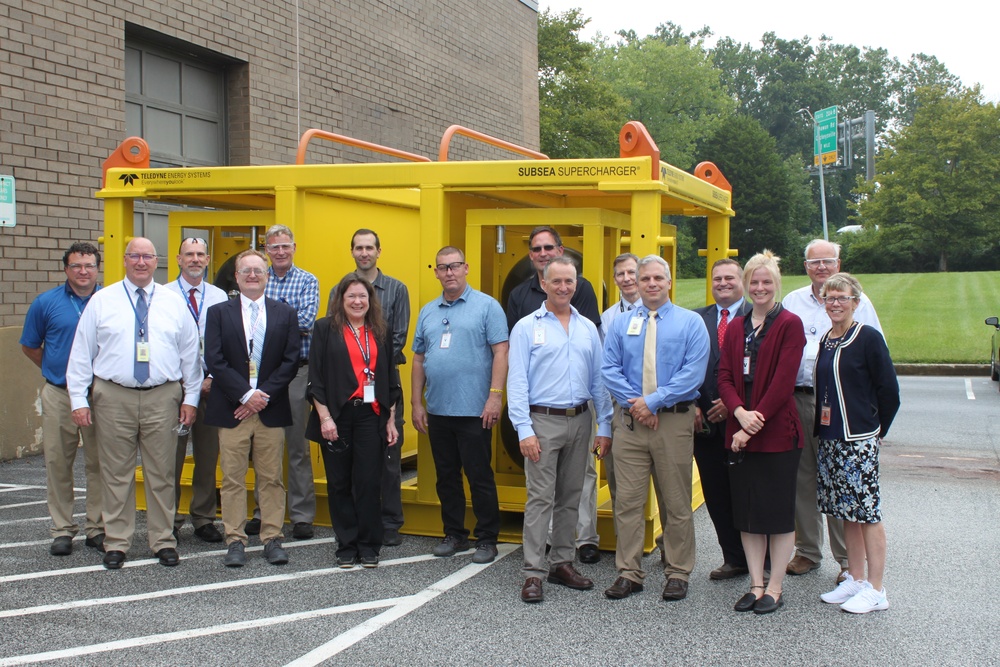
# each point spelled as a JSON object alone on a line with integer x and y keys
{"x": 46, "y": 339}
{"x": 460, "y": 358}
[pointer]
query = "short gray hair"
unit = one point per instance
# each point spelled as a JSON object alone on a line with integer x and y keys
{"x": 275, "y": 230}
{"x": 624, "y": 257}
{"x": 814, "y": 242}
{"x": 653, "y": 259}
{"x": 841, "y": 282}
{"x": 562, "y": 260}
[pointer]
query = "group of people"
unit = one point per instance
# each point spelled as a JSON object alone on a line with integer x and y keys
{"x": 782, "y": 404}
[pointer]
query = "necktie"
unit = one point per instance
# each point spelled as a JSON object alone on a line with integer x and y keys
{"x": 649, "y": 356}
{"x": 256, "y": 334}
{"x": 140, "y": 369}
{"x": 723, "y": 321}
{"x": 191, "y": 299}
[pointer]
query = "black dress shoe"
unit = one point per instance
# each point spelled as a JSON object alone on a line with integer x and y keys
{"x": 727, "y": 571}
{"x": 302, "y": 530}
{"x": 676, "y": 589}
{"x": 61, "y": 546}
{"x": 589, "y": 553}
{"x": 252, "y": 527}
{"x": 532, "y": 590}
{"x": 767, "y": 604}
{"x": 746, "y": 603}
{"x": 208, "y": 533}
{"x": 113, "y": 560}
{"x": 168, "y": 556}
{"x": 96, "y": 542}
{"x": 391, "y": 538}
{"x": 622, "y": 588}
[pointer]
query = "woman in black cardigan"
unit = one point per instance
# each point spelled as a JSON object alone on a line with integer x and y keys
{"x": 857, "y": 397}
{"x": 354, "y": 386}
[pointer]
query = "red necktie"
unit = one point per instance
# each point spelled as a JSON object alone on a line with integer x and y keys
{"x": 194, "y": 304}
{"x": 723, "y": 321}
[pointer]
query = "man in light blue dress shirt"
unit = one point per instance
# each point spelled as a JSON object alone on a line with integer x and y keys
{"x": 554, "y": 370}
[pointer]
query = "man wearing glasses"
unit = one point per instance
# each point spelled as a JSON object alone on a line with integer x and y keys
{"x": 544, "y": 245}
{"x": 135, "y": 359}
{"x": 199, "y": 295}
{"x": 555, "y": 371}
{"x": 654, "y": 363}
{"x": 822, "y": 260}
{"x": 299, "y": 289}
{"x": 46, "y": 340}
{"x": 460, "y": 358}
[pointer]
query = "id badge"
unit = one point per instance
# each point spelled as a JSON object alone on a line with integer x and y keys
{"x": 142, "y": 352}
{"x": 253, "y": 369}
{"x": 201, "y": 346}
{"x": 746, "y": 364}
{"x": 369, "y": 390}
{"x": 824, "y": 415}
{"x": 445, "y": 340}
{"x": 634, "y": 326}
{"x": 539, "y": 336}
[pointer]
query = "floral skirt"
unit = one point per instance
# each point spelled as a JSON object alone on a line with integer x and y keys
{"x": 847, "y": 486}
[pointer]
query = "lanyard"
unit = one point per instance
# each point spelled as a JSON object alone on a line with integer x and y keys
{"x": 76, "y": 305}
{"x": 149, "y": 304}
{"x": 366, "y": 350}
{"x": 195, "y": 315}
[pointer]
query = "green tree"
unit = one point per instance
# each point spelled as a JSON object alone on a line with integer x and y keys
{"x": 938, "y": 187}
{"x": 580, "y": 115}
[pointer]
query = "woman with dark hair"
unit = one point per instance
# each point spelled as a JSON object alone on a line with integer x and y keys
{"x": 760, "y": 358}
{"x": 354, "y": 386}
{"x": 857, "y": 397}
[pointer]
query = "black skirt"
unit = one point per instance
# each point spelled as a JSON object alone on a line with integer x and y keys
{"x": 763, "y": 488}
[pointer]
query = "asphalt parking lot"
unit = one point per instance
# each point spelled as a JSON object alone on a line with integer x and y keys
{"x": 941, "y": 480}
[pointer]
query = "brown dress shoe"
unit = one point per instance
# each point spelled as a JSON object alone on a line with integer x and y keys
{"x": 842, "y": 576}
{"x": 676, "y": 589}
{"x": 622, "y": 588}
{"x": 567, "y": 575}
{"x": 532, "y": 590}
{"x": 800, "y": 565}
{"x": 727, "y": 571}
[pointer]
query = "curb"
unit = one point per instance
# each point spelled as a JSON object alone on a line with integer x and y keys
{"x": 962, "y": 370}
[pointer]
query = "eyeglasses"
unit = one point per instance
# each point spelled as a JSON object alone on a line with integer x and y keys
{"x": 280, "y": 247}
{"x": 824, "y": 261}
{"x": 194, "y": 239}
{"x": 838, "y": 299}
{"x": 85, "y": 267}
{"x": 539, "y": 248}
{"x": 453, "y": 267}
{"x": 630, "y": 423}
{"x": 252, "y": 272}
{"x": 135, "y": 257}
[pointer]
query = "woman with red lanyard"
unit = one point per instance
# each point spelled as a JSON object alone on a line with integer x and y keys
{"x": 353, "y": 385}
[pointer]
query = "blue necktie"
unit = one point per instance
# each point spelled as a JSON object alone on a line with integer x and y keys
{"x": 256, "y": 334}
{"x": 140, "y": 369}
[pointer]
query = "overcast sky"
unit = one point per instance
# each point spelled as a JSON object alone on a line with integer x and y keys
{"x": 960, "y": 34}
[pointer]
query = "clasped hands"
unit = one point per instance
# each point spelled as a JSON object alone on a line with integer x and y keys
{"x": 751, "y": 423}
{"x": 258, "y": 401}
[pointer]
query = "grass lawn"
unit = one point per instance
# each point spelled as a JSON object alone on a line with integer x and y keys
{"x": 927, "y": 317}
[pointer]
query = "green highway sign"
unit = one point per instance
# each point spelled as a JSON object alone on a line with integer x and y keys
{"x": 825, "y": 136}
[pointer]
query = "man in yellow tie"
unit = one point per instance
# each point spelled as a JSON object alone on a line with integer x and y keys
{"x": 654, "y": 363}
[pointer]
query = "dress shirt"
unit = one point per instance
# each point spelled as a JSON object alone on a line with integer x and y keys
{"x": 248, "y": 333}
{"x": 300, "y": 290}
{"x": 621, "y": 306}
{"x": 682, "y": 349}
{"x": 528, "y": 296}
{"x": 548, "y": 366}
{"x": 816, "y": 322}
{"x": 458, "y": 377}
{"x": 733, "y": 309}
{"x": 104, "y": 345}
{"x": 51, "y": 321}
{"x": 206, "y": 295}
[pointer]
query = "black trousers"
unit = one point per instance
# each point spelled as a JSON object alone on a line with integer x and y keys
{"x": 461, "y": 443}
{"x": 711, "y": 455}
{"x": 353, "y": 481}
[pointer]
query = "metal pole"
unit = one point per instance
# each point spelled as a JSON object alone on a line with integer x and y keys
{"x": 822, "y": 192}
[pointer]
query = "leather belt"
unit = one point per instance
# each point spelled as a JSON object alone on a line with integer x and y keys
{"x": 355, "y": 402}
{"x": 682, "y": 406}
{"x": 139, "y": 388}
{"x": 558, "y": 412}
{"x": 60, "y": 386}
{"x": 805, "y": 390}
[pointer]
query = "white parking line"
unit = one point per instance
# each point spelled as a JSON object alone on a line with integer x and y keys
{"x": 968, "y": 389}
{"x": 7, "y": 488}
{"x": 35, "y": 518}
{"x": 27, "y": 504}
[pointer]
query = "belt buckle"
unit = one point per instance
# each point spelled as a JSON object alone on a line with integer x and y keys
{"x": 571, "y": 412}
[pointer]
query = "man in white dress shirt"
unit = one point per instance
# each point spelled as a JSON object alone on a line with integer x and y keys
{"x": 199, "y": 294}
{"x": 135, "y": 357}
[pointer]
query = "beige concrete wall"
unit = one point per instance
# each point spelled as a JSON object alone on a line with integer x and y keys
{"x": 20, "y": 405}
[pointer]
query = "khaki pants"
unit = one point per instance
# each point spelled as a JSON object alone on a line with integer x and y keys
{"x": 234, "y": 455}
{"x": 61, "y": 440}
{"x": 669, "y": 450}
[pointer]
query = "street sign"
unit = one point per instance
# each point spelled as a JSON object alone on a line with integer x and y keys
{"x": 825, "y": 136}
{"x": 8, "y": 208}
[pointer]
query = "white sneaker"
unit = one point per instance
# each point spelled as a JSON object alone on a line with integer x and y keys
{"x": 844, "y": 591}
{"x": 868, "y": 599}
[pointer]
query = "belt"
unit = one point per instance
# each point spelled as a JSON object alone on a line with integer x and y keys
{"x": 60, "y": 386}
{"x": 137, "y": 388}
{"x": 303, "y": 362}
{"x": 355, "y": 402}
{"x": 681, "y": 406}
{"x": 805, "y": 390}
{"x": 558, "y": 412}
